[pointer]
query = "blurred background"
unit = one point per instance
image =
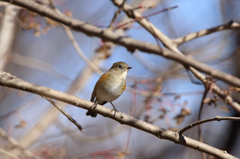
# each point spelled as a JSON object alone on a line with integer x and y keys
{"x": 39, "y": 51}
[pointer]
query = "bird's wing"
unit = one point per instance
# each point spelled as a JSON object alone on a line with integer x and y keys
{"x": 93, "y": 94}
{"x": 103, "y": 78}
{"x": 124, "y": 84}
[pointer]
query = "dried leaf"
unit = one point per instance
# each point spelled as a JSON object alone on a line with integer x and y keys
{"x": 179, "y": 119}
{"x": 207, "y": 100}
{"x": 225, "y": 109}
{"x": 186, "y": 111}
{"x": 22, "y": 124}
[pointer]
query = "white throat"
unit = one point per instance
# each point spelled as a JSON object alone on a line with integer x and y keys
{"x": 124, "y": 74}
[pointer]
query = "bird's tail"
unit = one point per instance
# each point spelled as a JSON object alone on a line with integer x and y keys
{"x": 92, "y": 114}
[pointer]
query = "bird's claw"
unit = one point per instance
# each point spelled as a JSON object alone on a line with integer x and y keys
{"x": 94, "y": 106}
{"x": 115, "y": 111}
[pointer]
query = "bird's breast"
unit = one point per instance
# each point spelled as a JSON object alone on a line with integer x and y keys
{"x": 109, "y": 87}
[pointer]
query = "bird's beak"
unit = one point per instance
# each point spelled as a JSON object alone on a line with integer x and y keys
{"x": 129, "y": 68}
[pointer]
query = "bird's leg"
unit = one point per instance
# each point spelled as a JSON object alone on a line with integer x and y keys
{"x": 114, "y": 109}
{"x": 94, "y": 106}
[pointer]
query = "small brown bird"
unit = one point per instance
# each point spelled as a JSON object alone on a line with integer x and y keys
{"x": 109, "y": 86}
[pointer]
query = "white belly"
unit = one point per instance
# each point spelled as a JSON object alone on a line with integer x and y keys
{"x": 109, "y": 93}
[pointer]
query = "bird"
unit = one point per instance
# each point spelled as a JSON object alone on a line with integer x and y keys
{"x": 109, "y": 86}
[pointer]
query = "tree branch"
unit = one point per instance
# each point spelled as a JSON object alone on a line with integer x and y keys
{"x": 207, "y": 87}
{"x": 217, "y": 118}
{"x": 65, "y": 114}
{"x": 225, "y": 97}
{"x": 116, "y": 14}
{"x": 8, "y": 80}
{"x": 7, "y": 32}
{"x": 8, "y": 154}
{"x": 191, "y": 36}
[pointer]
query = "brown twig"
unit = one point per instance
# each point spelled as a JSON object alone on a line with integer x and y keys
{"x": 65, "y": 113}
{"x": 143, "y": 17}
{"x": 217, "y": 118}
{"x": 116, "y": 14}
{"x": 8, "y": 154}
{"x": 7, "y": 33}
{"x": 199, "y": 118}
{"x": 191, "y": 36}
{"x": 76, "y": 46}
{"x": 200, "y": 112}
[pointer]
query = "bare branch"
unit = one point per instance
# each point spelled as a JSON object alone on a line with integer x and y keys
{"x": 79, "y": 51}
{"x": 217, "y": 118}
{"x": 77, "y": 47}
{"x": 65, "y": 113}
{"x": 191, "y": 36}
{"x": 8, "y": 80}
{"x": 199, "y": 116}
{"x": 7, "y": 32}
{"x": 148, "y": 26}
{"x": 8, "y": 154}
{"x": 142, "y": 17}
{"x": 116, "y": 14}
{"x": 225, "y": 97}
{"x": 200, "y": 112}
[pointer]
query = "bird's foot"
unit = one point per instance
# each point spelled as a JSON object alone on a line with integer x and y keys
{"x": 94, "y": 106}
{"x": 115, "y": 111}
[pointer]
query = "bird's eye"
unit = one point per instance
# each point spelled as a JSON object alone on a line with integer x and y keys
{"x": 120, "y": 66}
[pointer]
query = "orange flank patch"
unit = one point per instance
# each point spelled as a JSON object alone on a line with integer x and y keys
{"x": 102, "y": 79}
{"x": 124, "y": 86}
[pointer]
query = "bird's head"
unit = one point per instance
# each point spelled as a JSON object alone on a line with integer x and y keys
{"x": 120, "y": 68}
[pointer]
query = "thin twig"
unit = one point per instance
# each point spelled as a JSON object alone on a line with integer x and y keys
{"x": 7, "y": 33}
{"x": 8, "y": 154}
{"x": 79, "y": 51}
{"x": 144, "y": 7}
{"x": 143, "y": 17}
{"x": 76, "y": 46}
{"x": 199, "y": 117}
{"x": 65, "y": 113}
{"x": 116, "y": 14}
{"x": 217, "y": 118}
{"x": 191, "y": 36}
